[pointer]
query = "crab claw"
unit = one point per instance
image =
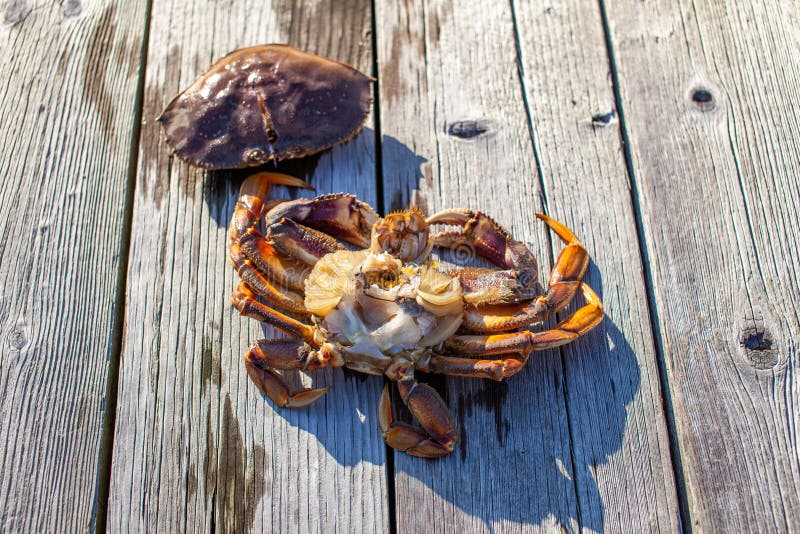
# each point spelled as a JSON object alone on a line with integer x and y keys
{"x": 438, "y": 435}
{"x": 481, "y": 235}
{"x": 287, "y": 354}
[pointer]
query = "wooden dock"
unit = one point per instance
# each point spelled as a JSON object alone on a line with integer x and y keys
{"x": 666, "y": 134}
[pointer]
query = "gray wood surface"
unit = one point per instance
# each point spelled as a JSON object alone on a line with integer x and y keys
{"x": 665, "y": 133}
{"x": 68, "y": 78}
{"x": 709, "y": 93}
{"x": 196, "y": 446}
{"x": 578, "y": 439}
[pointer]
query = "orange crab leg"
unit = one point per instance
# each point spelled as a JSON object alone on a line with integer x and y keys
{"x": 524, "y": 341}
{"x": 250, "y": 207}
{"x": 564, "y": 281}
{"x": 496, "y": 369}
{"x": 244, "y": 299}
{"x": 264, "y": 356}
{"x": 483, "y": 345}
{"x": 285, "y": 272}
{"x": 253, "y": 203}
{"x": 285, "y": 299}
{"x": 438, "y": 435}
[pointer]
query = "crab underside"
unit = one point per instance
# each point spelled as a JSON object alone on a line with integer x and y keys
{"x": 364, "y": 292}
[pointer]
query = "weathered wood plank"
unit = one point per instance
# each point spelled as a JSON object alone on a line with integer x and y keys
{"x": 69, "y": 76}
{"x": 565, "y": 435}
{"x": 572, "y": 429}
{"x": 437, "y": 68}
{"x": 196, "y": 446}
{"x": 611, "y": 375}
{"x": 709, "y": 92}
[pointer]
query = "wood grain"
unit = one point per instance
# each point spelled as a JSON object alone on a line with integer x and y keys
{"x": 69, "y": 78}
{"x": 709, "y": 93}
{"x": 611, "y": 375}
{"x": 552, "y": 447}
{"x": 196, "y": 447}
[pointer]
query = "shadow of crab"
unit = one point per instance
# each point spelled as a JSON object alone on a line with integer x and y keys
{"x": 530, "y": 447}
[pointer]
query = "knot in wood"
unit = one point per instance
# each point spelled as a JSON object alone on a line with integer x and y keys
{"x": 600, "y": 120}
{"x": 17, "y": 339}
{"x": 467, "y": 129}
{"x": 758, "y": 345}
{"x": 703, "y": 99}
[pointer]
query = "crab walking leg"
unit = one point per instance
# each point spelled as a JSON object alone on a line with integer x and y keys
{"x": 283, "y": 271}
{"x": 491, "y": 241}
{"x": 496, "y": 369}
{"x": 438, "y": 435}
{"x": 244, "y": 300}
{"x": 250, "y": 207}
{"x": 564, "y": 281}
{"x": 265, "y": 356}
{"x": 524, "y": 341}
{"x": 491, "y": 345}
{"x": 285, "y": 299}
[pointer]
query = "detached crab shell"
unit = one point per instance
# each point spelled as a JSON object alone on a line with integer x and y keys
{"x": 269, "y": 102}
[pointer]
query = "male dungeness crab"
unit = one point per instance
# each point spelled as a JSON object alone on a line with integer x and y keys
{"x": 361, "y": 291}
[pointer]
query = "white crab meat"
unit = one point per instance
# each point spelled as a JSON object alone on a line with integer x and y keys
{"x": 378, "y": 308}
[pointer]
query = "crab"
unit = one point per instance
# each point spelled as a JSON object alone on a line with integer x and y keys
{"x": 363, "y": 292}
{"x": 266, "y": 103}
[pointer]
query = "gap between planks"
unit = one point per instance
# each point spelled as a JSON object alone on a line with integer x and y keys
{"x": 100, "y": 513}
{"x": 391, "y": 496}
{"x": 652, "y": 311}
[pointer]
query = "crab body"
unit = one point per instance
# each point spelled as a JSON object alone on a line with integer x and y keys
{"x": 366, "y": 293}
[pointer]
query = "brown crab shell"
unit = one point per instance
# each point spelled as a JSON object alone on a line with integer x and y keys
{"x": 267, "y": 102}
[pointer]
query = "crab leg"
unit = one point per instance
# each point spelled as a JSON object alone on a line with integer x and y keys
{"x": 285, "y": 299}
{"x": 564, "y": 281}
{"x": 513, "y": 348}
{"x": 489, "y": 345}
{"x": 522, "y": 342}
{"x": 250, "y": 207}
{"x": 497, "y": 369}
{"x": 244, "y": 299}
{"x": 438, "y": 433}
{"x": 491, "y": 241}
{"x": 285, "y": 272}
{"x": 264, "y": 356}
{"x": 253, "y": 203}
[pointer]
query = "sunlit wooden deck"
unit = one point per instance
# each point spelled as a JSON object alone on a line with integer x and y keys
{"x": 666, "y": 134}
